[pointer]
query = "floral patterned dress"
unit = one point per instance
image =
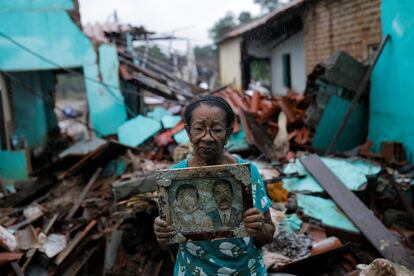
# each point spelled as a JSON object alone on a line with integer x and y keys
{"x": 234, "y": 256}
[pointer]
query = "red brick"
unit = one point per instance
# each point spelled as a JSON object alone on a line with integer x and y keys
{"x": 331, "y": 25}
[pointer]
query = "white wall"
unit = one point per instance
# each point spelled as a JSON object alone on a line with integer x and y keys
{"x": 294, "y": 46}
{"x": 230, "y": 62}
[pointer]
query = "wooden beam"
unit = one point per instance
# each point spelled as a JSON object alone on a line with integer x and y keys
{"x": 75, "y": 241}
{"x": 371, "y": 227}
{"x": 84, "y": 194}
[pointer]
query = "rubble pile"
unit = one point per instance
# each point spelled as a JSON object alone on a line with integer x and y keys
{"x": 90, "y": 208}
{"x": 83, "y": 223}
{"x": 274, "y": 125}
{"x": 338, "y": 234}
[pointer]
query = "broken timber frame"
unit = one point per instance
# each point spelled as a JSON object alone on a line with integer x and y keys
{"x": 377, "y": 234}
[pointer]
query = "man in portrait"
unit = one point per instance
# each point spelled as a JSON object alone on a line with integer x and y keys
{"x": 225, "y": 214}
{"x": 189, "y": 214}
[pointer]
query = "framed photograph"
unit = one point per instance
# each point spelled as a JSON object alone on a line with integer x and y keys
{"x": 205, "y": 203}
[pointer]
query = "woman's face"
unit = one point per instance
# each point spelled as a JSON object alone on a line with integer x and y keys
{"x": 188, "y": 201}
{"x": 209, "y": 144}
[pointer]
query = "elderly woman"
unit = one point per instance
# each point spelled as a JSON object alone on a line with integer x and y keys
{"x": 209, "y": 124}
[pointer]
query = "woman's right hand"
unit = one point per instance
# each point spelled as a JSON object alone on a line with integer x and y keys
{"x": 163, "y": 231}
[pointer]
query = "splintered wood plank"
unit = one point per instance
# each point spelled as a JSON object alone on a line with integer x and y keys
{"x": 371, "y": 227}
{"x": 80, "y": 261}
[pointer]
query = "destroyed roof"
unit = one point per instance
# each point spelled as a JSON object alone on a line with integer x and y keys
{"x": 99, "y": 31}
{"x": 263, "y": 20}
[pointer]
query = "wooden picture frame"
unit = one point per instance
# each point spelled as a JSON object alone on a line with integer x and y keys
{"x": 205, "y": 203}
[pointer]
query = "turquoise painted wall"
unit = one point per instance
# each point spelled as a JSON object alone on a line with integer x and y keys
{"x": 51, "y": 34}
{"x": 29, "y": 117}
{"x": 392, "y": 81}
{"x": 33, "y": 115}
{"x": 354, "y": 133}
{"x": 13, "y": 166}
{"x": 7, "y": 5}
{"x": 47, "y": 81}
{"x": 107, "y": 109}
{"x": 45, "y": 28}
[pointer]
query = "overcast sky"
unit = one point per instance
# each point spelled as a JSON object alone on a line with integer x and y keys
{"x": 196, "y": 16}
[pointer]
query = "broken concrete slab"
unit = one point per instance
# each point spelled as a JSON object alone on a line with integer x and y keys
{"x": 158, "y": 113}
{"x": 352, "y": 172}
{"x": 354, "y": 133}
{"x": 83, "y": 147}
{"x": 7, "y": 239}
{"x": 370, "y": 226}
{"x": 326, "y": 211}
{"x": 136, "y": 131}
{"x": 54, "y": 244}
{"x": 181, "y": 137}
{"x": 25, "y": 238}
{"x": 170, "y": 121}
{"x": 140, "y": 184}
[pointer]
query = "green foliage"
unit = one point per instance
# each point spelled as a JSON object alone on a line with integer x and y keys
{"x": 269, "y": 5}
{"x": 245, "y": 17}
{"x": 260, "y": 70}
{"x": 223, "y": 26}
{"x": 228, "y": 23}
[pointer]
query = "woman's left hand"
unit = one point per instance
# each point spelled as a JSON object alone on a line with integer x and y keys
{"x": 253, "y": 222}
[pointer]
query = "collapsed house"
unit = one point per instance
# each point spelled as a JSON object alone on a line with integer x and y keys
{"x": 295, "y": 38}
{"x": 88, "y": 207}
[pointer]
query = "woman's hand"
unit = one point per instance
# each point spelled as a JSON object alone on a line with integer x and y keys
{"x": 259, "y": 225}
{"x": 253, "y": 221}
{"x": 163, "y": 231}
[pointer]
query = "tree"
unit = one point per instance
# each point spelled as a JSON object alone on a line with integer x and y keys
{"x": 245, "y": 17}
{"x": 223, "y": 26}
{"x": 270, "y": 5}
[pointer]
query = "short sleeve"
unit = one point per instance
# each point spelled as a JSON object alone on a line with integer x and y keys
{"x": 180, "y": 165}
{"x": 260, "y": 199}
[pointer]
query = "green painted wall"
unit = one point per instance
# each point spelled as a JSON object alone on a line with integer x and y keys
{"x": 44, "y": 27}
{"x": 392, "y": 82}
{"x": 29, "y": 116}
{"x": 106, "y": 104}
{"x": 51, "y": 34}
{"x": 354, "y": 133}
{"x": 13, "y": 166}
{"x": 43, "y": 5}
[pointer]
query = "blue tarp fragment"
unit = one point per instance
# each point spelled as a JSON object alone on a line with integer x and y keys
{"x": 351, "y": 172}
{"x": 136, "y": 131}
{"x": 326, "y": 211}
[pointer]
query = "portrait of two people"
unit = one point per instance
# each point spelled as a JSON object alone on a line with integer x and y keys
{"x": 191, "y": 214}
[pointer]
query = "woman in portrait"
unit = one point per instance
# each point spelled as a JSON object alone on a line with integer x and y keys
{"x": 209, "y": 124}
{"x": 188, "y": 211}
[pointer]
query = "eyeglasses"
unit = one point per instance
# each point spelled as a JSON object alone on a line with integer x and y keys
{"x": 216, "y": 132}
